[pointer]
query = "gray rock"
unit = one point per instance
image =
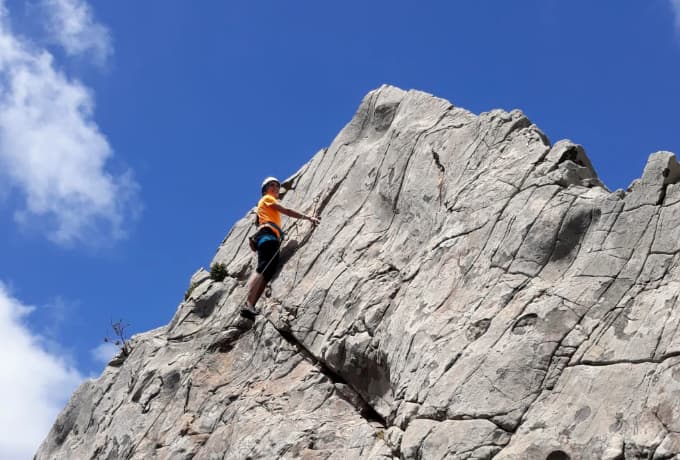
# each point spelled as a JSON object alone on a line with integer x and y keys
{"x": 472, "y": 292}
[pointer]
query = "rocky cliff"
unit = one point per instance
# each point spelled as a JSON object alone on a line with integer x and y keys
{"x": 472, "y": 292}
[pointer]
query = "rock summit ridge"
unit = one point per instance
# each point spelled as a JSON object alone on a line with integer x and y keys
{"x": 472, "y": 292}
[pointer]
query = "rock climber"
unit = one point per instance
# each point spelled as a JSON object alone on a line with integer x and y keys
{"x": 267, "y": 241}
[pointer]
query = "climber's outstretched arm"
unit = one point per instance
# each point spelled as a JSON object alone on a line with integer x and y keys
{"x": 295, "y": 214}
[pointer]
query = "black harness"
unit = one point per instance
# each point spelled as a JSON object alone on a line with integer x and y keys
{"x": 265, "y": 233}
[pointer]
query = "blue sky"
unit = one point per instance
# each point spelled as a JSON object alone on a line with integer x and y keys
{"x": 134, "y": 134}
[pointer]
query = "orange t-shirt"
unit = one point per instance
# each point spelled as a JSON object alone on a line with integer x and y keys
{"x": 265, "y": 212}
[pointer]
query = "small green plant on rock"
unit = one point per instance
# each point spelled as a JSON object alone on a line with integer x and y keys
{"x": 218, "y": 271}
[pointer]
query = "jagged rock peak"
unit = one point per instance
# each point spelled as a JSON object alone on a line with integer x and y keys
{"x": 472, "y": 292}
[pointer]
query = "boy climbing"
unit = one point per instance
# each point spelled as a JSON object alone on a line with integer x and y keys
{"x": 267, "y": 241}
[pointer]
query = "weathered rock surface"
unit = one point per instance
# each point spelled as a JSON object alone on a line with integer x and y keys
{"x": 472, "y": 292}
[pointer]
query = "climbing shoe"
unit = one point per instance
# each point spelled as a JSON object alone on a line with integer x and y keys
{"x": 248, "y": 312}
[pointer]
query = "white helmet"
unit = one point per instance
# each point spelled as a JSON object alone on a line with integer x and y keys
{"x": 268, "y": 181}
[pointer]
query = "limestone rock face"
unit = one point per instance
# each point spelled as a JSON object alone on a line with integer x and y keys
{"x": 472, "y": 292}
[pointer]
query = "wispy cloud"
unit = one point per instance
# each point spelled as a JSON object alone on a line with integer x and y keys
{"x": 34, "y": 383}
{"x": 675, "y": 6}
{"x": 71, "y": 24}
{"x": 104, "y": 352}
{"x": 51, "y": 149}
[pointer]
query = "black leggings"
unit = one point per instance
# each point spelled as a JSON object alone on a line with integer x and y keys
{"x": 268, "y": 258}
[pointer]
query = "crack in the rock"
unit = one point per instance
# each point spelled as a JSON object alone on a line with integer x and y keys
{"x": 663, "y": 327}
{"x": 482, "y": 359}
{"x": 333, "y": 190}
{"x": 613, "y": 362}
{"x": 333, "y": 326}
{"x": 134, "y": 446}
{"x": 424, "y": 132}
{"x": 615, "y": 315}
{"x": 291, "y": 183}
{"x": 316, "y": 169}
{"x": 599, "y": 330}
{"x": 443, "y": 417}
{"x": 110, "y": 413}
{"x": 332, "y": 239}
{"x": 553, "y": 237}
{"x": 439, "y": 243}
{"x": 471, "y": 150}
{"x": 594, "y": 219}
{"x": 186, "y": 398}
{"x": 442, "y": 176}
{"x": 504, "y": 207}
{"x": 359, "y": 208}
{"x": 435, "y": 157}
{"x": 325, "y": 295}
{"x": 367, "y": 411}
{"x": 516, "y": 125}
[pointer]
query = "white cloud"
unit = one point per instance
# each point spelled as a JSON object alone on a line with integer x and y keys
{"x": 57, "y": 313}
{"x": 675, "y": 6}
{"x": 52, "y": 151}
{"x": 105, "y": 352}
{"x": 34, "y": 384}
{"x": 71, "y": 24}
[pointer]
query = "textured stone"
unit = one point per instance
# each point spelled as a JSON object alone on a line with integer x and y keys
{"x": 472, "y": 292}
